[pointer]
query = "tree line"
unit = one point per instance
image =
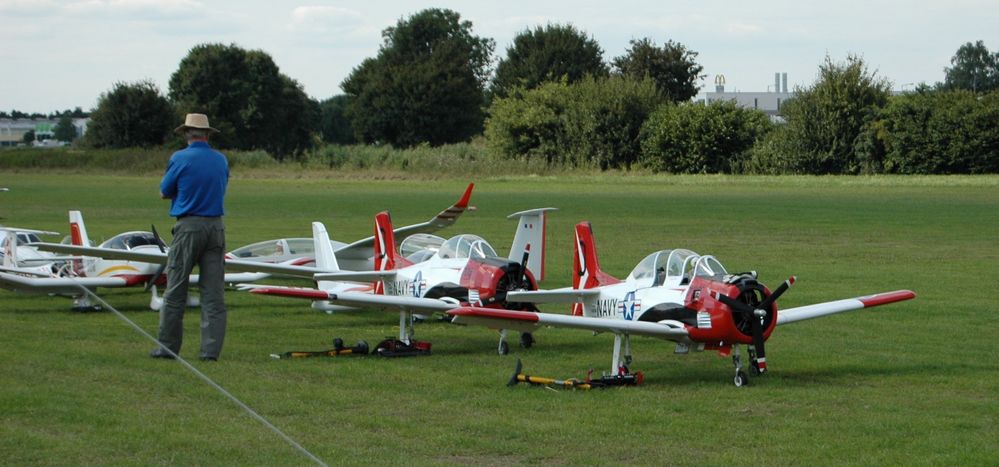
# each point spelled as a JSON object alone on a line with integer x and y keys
{"x": 554, "y": 96}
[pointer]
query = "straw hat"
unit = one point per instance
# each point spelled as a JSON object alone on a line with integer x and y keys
{"x": 198, "y": 121}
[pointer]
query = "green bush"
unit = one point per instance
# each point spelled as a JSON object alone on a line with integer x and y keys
{"x": 592, "y": 123}
{"x": 944, "y": 132}
{"x": 698, "y": 138}
{"x": 824, "y": 122}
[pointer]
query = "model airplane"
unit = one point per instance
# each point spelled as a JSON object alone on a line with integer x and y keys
{"x": 94, "y": 272}
{"x": 437, "y": 275}
{"x": 676, "y": 295}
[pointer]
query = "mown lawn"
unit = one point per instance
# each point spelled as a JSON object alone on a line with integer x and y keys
{"x": 911, "y": 383}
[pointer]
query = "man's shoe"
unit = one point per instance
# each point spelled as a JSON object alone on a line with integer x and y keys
{"x": 208, "y": 359}
{"x": 160, "y": 353}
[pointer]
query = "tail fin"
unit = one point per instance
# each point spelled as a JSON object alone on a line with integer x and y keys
{"x": 385, "y": 253}
{"x": 325, "y": 258}
{"x": 585, "y": 265}
{"x": 10, "y": 250}
{"x": 530, "y": 240}
{"x": 77, "y": 230}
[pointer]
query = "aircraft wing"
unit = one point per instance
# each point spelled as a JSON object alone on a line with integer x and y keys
{"x": 362, "y": 249}
{"x": 57, "y": 285}
{"x": 106, "y": 253}
{"x": 358, "y": 299}
{"x": 563, "y": 295}
{"x": 356, "y": 276}
{"x": 801, "y": 313}
{"x": 526, "y": 321}
{"x": 236, "y": 265}
{"x": 31, "y": 231}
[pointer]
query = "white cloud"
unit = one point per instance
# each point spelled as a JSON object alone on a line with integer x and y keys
{"x": 324, "y": 19}
{"x": 138, "y": 9}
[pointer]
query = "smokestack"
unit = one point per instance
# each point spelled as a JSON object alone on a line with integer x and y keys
{"x": 776, "y": 82}
{"x": 784, "y": 79}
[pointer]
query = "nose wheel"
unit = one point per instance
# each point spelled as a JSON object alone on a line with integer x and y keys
{"x": 741, "y": 378}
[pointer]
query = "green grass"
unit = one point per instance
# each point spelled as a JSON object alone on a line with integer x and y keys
{"x": 911, "y": 383}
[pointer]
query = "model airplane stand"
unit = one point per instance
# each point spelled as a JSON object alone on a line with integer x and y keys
{"x": 338, "y": 349}
{"x": 392, "y": 347}
{"x": 624, "y": 378}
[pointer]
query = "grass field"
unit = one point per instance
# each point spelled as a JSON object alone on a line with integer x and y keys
{"x": 911, "y": 383}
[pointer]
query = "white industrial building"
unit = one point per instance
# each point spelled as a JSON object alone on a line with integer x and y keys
{"x": 768, "y": 102}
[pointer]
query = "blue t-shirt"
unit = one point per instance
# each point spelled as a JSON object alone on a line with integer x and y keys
{"x": 195, "y": 181}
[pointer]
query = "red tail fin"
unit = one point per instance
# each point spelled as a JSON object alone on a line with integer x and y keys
{"x": 585, "y": 265}
{"x": 385, "y": 253}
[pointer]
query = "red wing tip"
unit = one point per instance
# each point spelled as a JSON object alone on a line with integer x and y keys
{"x": 463, "y": 202}
{"x": 790, "y": 280}
{"x": 887, "y": 297}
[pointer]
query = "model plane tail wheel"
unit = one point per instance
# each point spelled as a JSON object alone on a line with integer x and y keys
{"x": 504, "y": 348}
{"x": 741, "y": 379}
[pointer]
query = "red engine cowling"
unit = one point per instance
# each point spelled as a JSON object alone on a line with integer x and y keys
{"x": 492, "y": 278}
{"x": 727, "y": 327}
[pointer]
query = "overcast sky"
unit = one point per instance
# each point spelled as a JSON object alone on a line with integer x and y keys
{"x": 61, "y": 54}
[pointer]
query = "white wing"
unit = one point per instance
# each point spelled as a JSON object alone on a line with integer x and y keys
{"x": 801, "y": 313}
{"x": 528, "y": 321}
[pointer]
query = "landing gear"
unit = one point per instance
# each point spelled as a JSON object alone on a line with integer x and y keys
{"x": 741, "y": 378}
{"x": 504, "y": 348}
{"x": 526, "y": 340}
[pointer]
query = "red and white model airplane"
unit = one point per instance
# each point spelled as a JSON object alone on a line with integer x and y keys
{"x": 676, "y": 295}
{"x": 437, "y": 275}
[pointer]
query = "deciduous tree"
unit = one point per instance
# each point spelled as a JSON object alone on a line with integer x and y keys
{"x": 550, "y": 53}
{"x": 247, "y": 98}
{"x": 425, "y": 85}
{"x": 673, "y": 67}
{"x": 131, "y": 115}
{"x": 973, "y": 68}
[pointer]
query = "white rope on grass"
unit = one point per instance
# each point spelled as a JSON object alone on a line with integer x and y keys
{"x": 206, "y": 379}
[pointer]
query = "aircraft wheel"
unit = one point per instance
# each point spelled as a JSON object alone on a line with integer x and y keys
{"x": 741, "y": 379}
{"x": 504, "y": 348}
{"x": 526, "y": 340}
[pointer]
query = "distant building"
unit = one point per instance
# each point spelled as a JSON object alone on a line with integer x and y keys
{"x": 12, "y": 131}
{"x": 769, "y": 102}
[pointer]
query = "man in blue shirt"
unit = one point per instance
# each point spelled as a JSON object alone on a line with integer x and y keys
{"x": 195, "y": 183}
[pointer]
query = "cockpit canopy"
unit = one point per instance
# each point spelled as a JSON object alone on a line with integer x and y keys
{"x": 466, "y": 246}
{"x": 420, "y": 247}
{"x": 279, "y": 247}
{"x": 674, "y": 268}
{"x": 130, "y": 240}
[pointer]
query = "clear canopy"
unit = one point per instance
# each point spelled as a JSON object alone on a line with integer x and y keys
{"x": 674, "y": 267}
{"x": 130, "y": 240}
{"x": 466, "y": 246}
{"x": 280, "y": 247}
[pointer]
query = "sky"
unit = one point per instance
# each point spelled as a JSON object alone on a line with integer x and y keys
{"x": 62, "y": 54}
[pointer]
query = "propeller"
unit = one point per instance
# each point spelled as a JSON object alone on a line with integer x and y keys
{"x": 159, "y": 271}
{"x": 755, "y": 314}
